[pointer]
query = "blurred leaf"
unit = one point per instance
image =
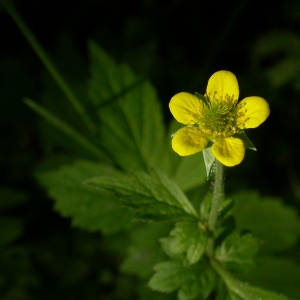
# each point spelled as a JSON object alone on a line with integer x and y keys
{"x": 89, "y": 208}
{"x": 145, "y": 293}
{"x": 205, "y": 207}
{"x": 284, "y": 48}
{"x": 130, "y": 113}
{"x": 18, "y": 276}
{"x": 68, "y": 130}
{"x": 195, "y": 281}
{"x": 11, "y": 198}
{"x": 145, "y": 250}
{"x": 244, "y": 290}
{"x": 277, "y": 225}
{"x": 237, "y": 252}
{"x": 154, "y": 196}
{"x": 10, "y": 228}
{"x": 188, "y": 237}
{"x": 190, "y": 172}
{"x": 279, "y": 274}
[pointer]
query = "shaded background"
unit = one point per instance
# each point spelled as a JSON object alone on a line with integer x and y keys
{"x": 177, "y": 45}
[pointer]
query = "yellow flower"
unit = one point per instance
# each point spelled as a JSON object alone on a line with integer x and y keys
{"x": 216, "y": 118}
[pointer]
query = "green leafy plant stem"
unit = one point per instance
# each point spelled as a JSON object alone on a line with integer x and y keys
{"x": 216, "y": 199}
{"x": 49, "y": 64}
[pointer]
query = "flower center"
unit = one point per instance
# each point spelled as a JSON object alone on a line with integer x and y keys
{"x": 219, "y": 117}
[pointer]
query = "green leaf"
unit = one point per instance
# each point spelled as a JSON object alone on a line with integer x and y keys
{"x": 145, "y": 293}
{"x": 282, "y": 45}
{"x": 11, "y": 198}
{"x": 242, "y": 136}
{"x": 277, "y": 225}
{"x": 145, "y": 250}
{"x": 279, "y": 274}
{"x": 237, "y": 252}
{"x": 188, "y": 237}
{"x": 193, "y": 282}
{"x": 10, "y": 228}
{"x": 244, "y": 290}
{"x": 190, "y": 172}
{"x": 129, "y": 110}
{"x": 153, "y": 196}
{"x": 209, "y": 160}
{"x": 89, "y": 208}
{"x": 205, "y": 207}
{"x": 41, "y": 53}
{"x": 67, "y": 129}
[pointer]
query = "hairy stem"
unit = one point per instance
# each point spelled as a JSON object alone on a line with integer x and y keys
{"x": 216, "y": 200}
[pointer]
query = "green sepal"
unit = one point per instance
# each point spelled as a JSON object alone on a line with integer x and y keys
{"x": 201, "y": 97}
{"x": 209, "y": 161}
{"x": 242, "y": 136}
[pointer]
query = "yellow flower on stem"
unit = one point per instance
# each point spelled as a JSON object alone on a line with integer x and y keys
{"x": 216, "y": 119}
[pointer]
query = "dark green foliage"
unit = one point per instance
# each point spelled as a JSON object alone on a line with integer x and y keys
{"x": 237, "y": 252}
{"x": 188, "y": 237}
{"x": 109, "y": 164}
{"x": 88, "y": 207}
{"x": 276, "y": 225}
{"x": 192, "y": 281}
{"x": 154, "y": 196}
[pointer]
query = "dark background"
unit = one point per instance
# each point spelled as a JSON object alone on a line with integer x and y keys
{"x": 178, "y": 45}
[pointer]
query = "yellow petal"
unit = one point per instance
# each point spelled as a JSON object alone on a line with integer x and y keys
{"x": 255, "y": 109}
{"x": 188, "y": 140}
{"x": 224, "y": 83}
{"x": 185, "y": 108}
{"x": 229, "y": 151}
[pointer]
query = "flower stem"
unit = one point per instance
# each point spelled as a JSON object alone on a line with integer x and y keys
{"x": 216, "y": 199}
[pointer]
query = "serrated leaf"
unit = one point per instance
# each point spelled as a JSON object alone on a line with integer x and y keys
{"x": 192, "y": 281}
{"x": 188, "y": 237}
{"x": 242, "y": 136}
{"x": 192, "y": 289}
{"x": 237, "y": 251}
{"x": 277, "y": 225}
{"x": 89, "y": 208}
{"x": 130, "y": 113}
{"x": 153, "y": 196}
{"x": 209, "y": 160}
